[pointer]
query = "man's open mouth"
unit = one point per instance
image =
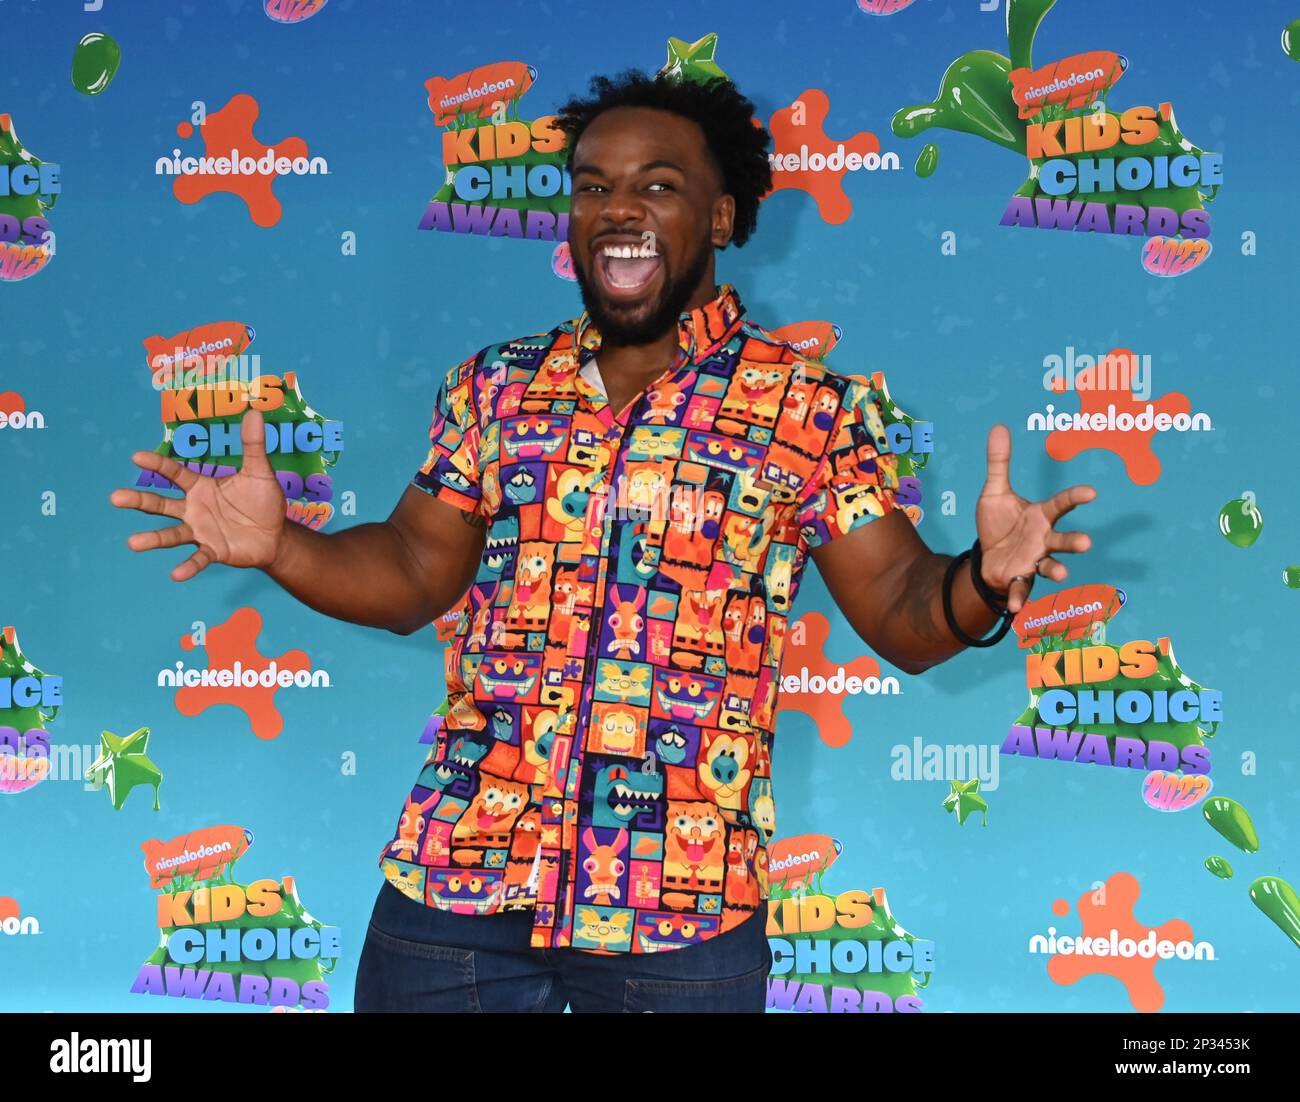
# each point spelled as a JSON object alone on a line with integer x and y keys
{"x": 627, "y": 270}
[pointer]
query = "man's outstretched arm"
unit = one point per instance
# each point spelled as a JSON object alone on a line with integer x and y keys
{"x": 398, "y": 574}
{"x": 889, "y": 584}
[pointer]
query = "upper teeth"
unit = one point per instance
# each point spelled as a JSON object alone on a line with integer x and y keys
{"x": 627, "y": 252}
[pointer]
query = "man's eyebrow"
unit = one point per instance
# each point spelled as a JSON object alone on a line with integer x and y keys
{"x": 647, "y": 167}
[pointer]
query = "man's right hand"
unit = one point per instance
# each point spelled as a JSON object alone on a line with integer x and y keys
{"x": 238, "y": 520}
{"x": 398, "y": 574}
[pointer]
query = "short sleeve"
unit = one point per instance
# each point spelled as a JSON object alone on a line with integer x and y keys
{"x": 857, "y": 478}
{"x": 451, "y": 470}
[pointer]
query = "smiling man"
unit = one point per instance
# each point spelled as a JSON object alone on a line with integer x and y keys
{"x": 622, "y": 507}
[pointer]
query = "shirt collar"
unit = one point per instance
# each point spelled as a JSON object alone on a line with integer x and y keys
{"x": 699, "y": 331}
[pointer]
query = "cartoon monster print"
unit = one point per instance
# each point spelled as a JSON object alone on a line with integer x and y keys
{"x": 741, "y": 888}
{"x": 408, "y": 879}
{"x": 743, "y": 631}
{"x": 491, "y": 814}
{"x": 530, "y": 601}
{"x": 468, "y": 891}
{"x": 604, "y": 867}
{"x": 624, "y": 682}
{"x": 666, "y": 399}
{"x": 603, "y": 928}
{"x": 754, "y": 394}
{"x": 567, "y": 495}
{"x": 617, "y": 729}
{"x": 761, "y": 808}
{"x": 624, "y": 796}
{"x": 626, "y": 622}
{"x": 521, "y": 486}
{"x": 724, "y": 769}
{"x": 695, "y": 523}
{"x": 411, "y": 824}
{"x": 660, "y": 931}
{"x": 694, "y": 847}
{"x": 643, "y": 489}
{"x": 699, "y": 621}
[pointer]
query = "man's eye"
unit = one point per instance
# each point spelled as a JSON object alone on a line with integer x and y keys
{"x": 662, "y": 184}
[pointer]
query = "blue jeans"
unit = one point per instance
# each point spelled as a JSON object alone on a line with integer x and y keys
{"x": 420, "y": 959}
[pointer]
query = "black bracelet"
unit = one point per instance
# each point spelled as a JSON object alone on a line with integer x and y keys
{"x": 961, "y": 637}
{"x": 996, "y": 601}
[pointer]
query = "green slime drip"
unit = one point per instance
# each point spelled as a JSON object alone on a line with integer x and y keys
{"x": 1220, "y": 867}
{"x": 1291, "y": 40}
{"x": 1277, "y": 899}
{"x": 95, "y": 62}
{"x": 1231, "y": 820}
{"x": 12, "y": 153}
{"x": 1167, "y": 677}
{"x": 1241, "y": 522}
{"x": 928, "y": 160}
{"x": 1023, "y": 19}
{"x": 974, "y": 97}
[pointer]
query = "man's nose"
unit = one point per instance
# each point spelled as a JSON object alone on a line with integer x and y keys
{"x": 623, "y": 207}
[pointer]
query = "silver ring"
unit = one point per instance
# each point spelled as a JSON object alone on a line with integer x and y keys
{"x": 1028, "y": 579}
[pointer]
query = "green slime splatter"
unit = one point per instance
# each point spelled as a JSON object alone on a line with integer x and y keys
{"x": 95, "y": 62}
{"x": 965, "y": 799}
{"x": 292, "y": 915}
{"x": 928, "y": 160}
{"x": 974, "y": 97}
{"x": 14, "y": 664}
{"x": 1168, "y": 677}
{"x": 1241, "y": 522}
{"x": 555, "y": 204}
{"x": 882, "y": 927}
{"x": 1277, "y": 899}
{"x": 1291, "y": 577}
{"x": 122, "y": 765}
{"x": 1231, "y": 820}
{"x": 1220, "y": 867}
{"x": 12, "y": 153}
{"x": 1291, "y": 40}
{"x": 294, "y": 408}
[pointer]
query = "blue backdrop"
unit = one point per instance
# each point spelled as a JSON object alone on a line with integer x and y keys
{"x": 961, "y": 338}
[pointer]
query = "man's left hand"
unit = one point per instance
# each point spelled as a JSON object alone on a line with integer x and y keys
{"x": 1018, "y": 538}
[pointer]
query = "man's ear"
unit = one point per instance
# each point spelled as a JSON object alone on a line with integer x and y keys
{"x": 724, "y": 217}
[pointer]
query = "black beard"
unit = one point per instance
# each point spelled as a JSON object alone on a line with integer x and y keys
{"x": 663, "y": 315}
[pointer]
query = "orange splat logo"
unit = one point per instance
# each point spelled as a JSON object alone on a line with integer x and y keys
{"x": 12, "y": 402}
{"x": 228, "y": 134}
{"x": 232, "y": 646}
{"x": 1132, "y": 445}
{"x": 804, "y": 661}
{"x": 804, "y": 157}
{"x": 1137, "y": 973}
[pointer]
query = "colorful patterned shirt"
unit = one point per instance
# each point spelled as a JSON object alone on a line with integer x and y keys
{"x": 605, "y": 761}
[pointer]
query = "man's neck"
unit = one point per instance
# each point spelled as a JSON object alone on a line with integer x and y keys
{"x": 628, "y": 369}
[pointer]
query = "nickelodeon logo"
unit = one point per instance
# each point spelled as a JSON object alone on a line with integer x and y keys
{"x": 837, "y": 160}
{"x": 14, "y": 413}
{"x": 839, "y": 683}
{"x": 11, "y": 922}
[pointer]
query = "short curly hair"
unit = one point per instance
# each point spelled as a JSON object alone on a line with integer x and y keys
{"x": 739, "y": 146}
